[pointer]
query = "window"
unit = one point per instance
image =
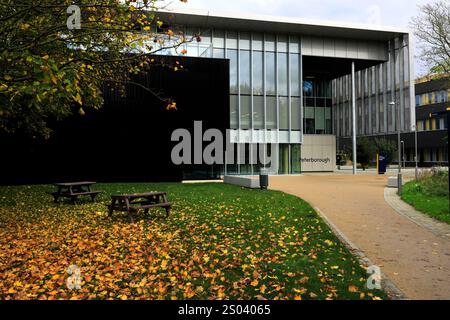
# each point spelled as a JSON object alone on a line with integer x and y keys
{"x": 270, "y": 42}
{"x": 431, "y": 98}
{"x": 244, "y": 71}
{"x": 295, "y": 159}
{"x": 282, "y": 74}
{"x": 232, "y": 55}
{"x": 232, "y": 40}
{"x": 441, "y": 123}
{"x": 307, "y": 88}
{"x": 258, "y": 80}
{"x": 258, "y": 112}
{"x": 271, "y": 75}
{"x": 433, "y": 124}
{"x": 257, "y": 42}
{"x": 295, "y": 75}
{"x": 271, "y": 113}
{"x": 418, "y": 101}
{"x": 219, "y": 39}
{"x": 218, "y": 53}
{"x": 282, "y": 44}
{"x": 420, "y": 125}
{"x": 234, "y": 112}
{"x": 245, "y": 112}
{"x": 296, "y": 118}
{"x": 442, "y": 97}
{"x": 284, "y": 113}
{"x": 425, "y": 99}
{"x": 294, "y": 45}
{"x": 244, "y": 41}
{"x": 320, "y": 120}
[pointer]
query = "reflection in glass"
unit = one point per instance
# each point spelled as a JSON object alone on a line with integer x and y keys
{"x": 245, "y": 71}
{"x": 258, "y": 112}
{"x": 271, "y": 76}
{"x": 320, "y": 120}
{"x": 244, "y": 41}
{"x": 284, "y": 113}
{"x": 234, "y": 112}
{"x": 232, "y": 55}
{"x": 282, "y": 74}
{"x": 271, "y": 113}
{"x": 308, "y": 88}
{"x": 296, "y": 159}
{"x": 270, "y": 42}
{"x": 257, "y": 42}
{"x": 232, "y": 40}
{"x": 205, "y": 35}
{"x": 294, "y": 45}
{"x": 219, "y": 39}
{"x": 245, "y": 112}
{"x": 219, "y": 53}
{"x": 295, "y": 74}
{"x": 296, "y": 117}
{"x": 282, "y": 43}
{"x": 284, "y": 159}
{"x": 258, "y": 80}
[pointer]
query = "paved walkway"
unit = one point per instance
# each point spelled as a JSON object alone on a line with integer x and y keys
{"x": 415, "y": 259}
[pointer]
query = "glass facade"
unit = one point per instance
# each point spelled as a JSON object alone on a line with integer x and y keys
{"x": 268, "y": 92}
{"x": 375, "y": 88}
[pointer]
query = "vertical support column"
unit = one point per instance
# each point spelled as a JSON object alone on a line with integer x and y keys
{"x": 252, "y": 108}
{"x": 239, "y": 103}
{"x": 401, "y": 67}
{"x": 265, "y": 98}
{"x": 302, "y": 115}
{"x": 412, "y": 99}
{"x": 354, "y": 118}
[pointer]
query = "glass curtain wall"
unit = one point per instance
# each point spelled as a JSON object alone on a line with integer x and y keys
{"x": 375, "y": 88}
{"x": 318, "y": 104}
{"x": 265, "y": 86}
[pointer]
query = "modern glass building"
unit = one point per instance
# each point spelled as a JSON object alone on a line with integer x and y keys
{"x": 291, "y": 82}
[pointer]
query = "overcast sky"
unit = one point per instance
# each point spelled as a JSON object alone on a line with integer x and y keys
{"x": 383, "y": 12}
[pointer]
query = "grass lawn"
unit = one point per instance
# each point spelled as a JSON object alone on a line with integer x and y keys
{"x": 221, "y": 242}
{"x": 434, "y": 205}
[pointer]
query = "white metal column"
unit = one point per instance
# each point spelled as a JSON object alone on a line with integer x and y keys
{"x": 354, "y": 118}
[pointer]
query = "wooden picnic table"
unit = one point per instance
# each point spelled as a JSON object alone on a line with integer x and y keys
{"x": 132, "y": 203}
{"x": 73, "y": 190}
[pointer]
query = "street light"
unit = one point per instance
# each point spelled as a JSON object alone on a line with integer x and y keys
{"x": 403, "y": 157}
{"x": 399, "y": 176}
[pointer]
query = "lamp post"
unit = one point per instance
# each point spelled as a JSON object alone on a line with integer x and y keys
{"x": 399, "y": 176}
{"x": 403, "y": 152}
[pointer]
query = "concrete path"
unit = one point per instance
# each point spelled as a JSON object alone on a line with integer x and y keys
{"x": 415, "y": 259}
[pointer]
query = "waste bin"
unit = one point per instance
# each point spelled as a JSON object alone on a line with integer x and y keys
{"x": 264, "y": 179}
{"x": 382, "y": 164}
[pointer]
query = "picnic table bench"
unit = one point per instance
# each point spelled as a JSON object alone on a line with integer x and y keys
{"x": 73, "y": 190}
{"x": 132, "y": 203}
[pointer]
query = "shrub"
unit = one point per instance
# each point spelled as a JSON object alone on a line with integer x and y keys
{"x": 433, "y": 183}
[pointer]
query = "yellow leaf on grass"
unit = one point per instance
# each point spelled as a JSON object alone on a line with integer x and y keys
{"x": 353, "y": 289}
{"x": 254, "y": 283}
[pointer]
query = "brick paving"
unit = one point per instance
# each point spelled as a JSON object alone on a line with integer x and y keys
{"x": 415, "y": 258}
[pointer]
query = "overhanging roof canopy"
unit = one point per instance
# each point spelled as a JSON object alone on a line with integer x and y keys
{"x": 305, "y": 27}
